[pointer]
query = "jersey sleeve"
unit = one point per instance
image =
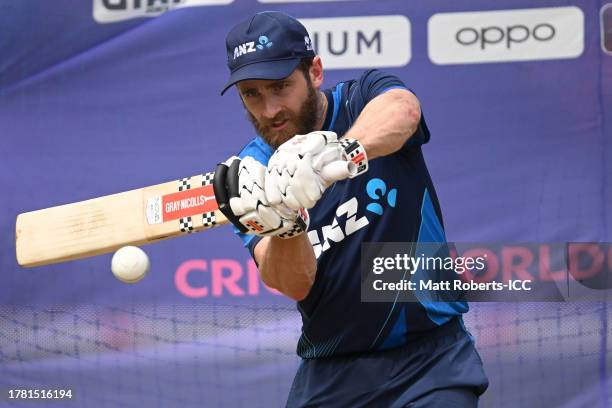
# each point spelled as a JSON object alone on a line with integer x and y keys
{"x": 373, "y": 83}
{"x": 260, "y": 151}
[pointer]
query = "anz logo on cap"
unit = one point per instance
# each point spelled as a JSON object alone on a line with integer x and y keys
{"x": 263, "y": 42}
{"x": 308, "y": 43}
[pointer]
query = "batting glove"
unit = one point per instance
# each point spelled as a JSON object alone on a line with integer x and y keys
{"x": 239, "y": 190}
{"x": 302, "y": 168}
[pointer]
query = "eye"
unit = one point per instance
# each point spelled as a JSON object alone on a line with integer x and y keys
{"x": 250, "y": 93}
{"x": 279, "y": 86}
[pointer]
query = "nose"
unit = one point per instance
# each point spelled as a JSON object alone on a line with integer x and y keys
{"x": 272, "y": 108}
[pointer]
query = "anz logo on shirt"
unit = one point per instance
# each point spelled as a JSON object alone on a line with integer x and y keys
{"x": 380, "y": 197}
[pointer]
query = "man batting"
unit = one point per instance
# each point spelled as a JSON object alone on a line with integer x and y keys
{"x": 304, "y": 229}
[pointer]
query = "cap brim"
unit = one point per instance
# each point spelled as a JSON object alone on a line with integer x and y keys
{"x": 271, "y": 70}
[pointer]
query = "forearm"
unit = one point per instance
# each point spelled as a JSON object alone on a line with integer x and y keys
{"x": 287, "y": 265}
{"x": 387, "y": 122}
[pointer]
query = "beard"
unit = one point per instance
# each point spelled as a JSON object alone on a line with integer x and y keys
{"x": 297, "y": 123}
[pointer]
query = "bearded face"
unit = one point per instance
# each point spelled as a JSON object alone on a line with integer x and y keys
{"x": 291, "y": 123}
{"x": 281, "y": 109}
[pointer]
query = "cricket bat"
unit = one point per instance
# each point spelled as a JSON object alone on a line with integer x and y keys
{"x": 105, "y": 224}
{"x": 136, "y": 217}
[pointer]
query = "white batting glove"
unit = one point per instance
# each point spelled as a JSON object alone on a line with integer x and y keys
{"x": 239, "y": 190}
{"x": 302, "y": 168}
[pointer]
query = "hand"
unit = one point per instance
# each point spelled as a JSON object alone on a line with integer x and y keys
{"x": 239, "y": 190}
{"x": 302, "y": 168}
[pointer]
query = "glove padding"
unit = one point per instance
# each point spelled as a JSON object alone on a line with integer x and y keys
{"x": 302, "y": 168}
{"x": 239, "y": 190}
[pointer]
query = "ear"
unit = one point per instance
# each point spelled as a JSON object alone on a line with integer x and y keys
{"x": 316, "y": 72}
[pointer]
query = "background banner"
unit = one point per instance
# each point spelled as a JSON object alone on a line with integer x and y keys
{"x": 103, "y": 96}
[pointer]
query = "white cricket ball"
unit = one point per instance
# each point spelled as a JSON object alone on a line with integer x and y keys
{"x": 130, "y": 264}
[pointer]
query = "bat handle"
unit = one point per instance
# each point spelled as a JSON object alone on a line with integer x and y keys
{"x": 338, "y": 170}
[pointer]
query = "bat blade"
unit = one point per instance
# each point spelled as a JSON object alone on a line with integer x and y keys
{"x": 104, "y": 224}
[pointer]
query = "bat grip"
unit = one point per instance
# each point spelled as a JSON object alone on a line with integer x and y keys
{"x": 338, "y": 170}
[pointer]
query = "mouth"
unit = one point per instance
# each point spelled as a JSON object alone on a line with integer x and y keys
{"x": 279, "y": 124}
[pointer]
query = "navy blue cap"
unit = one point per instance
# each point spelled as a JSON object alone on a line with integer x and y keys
{"x": 269, "y": 45}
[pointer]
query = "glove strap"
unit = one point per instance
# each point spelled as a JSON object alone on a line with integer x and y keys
{"x": 356, "y": 153}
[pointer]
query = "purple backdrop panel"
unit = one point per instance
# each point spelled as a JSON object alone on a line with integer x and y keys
{"x": 104, "y": 96}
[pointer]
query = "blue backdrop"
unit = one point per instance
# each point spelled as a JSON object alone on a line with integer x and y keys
{"x": 103, "y": 96}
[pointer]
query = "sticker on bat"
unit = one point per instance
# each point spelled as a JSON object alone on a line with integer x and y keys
{"x": 154, "y": 214}
{"x": 181, "y": 204}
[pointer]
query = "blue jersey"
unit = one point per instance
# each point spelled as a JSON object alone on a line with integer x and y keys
{"x": 394, "y": 201}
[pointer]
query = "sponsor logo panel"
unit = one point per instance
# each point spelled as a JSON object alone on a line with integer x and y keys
{"x": 606, "y": 28}
{"x": 506, "y": 35}
{"x": 361, "y": 42}
{"x": 110, "y": 11}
